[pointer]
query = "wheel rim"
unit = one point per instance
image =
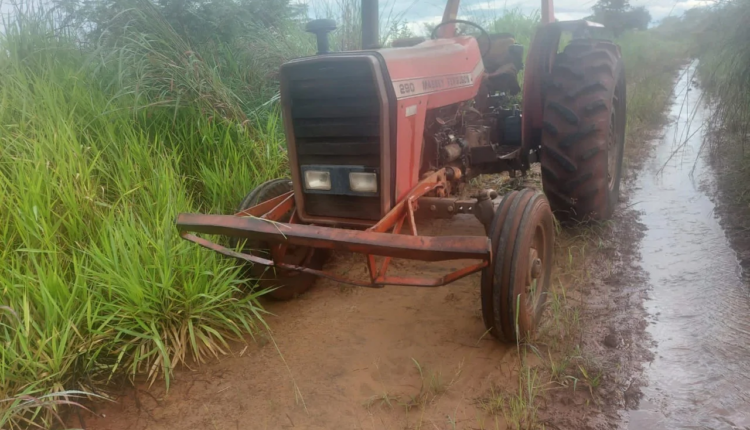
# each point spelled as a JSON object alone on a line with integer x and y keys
{"x": 536, "y": 274}
{"x": 515, "y": 282}
{"x": 531, "y": 266}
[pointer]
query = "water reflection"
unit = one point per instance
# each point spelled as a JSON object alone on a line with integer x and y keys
{"x": 700, "y": 378}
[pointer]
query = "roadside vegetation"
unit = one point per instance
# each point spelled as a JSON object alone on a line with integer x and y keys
{"x": 117, "y": 115}
{"x": 719, "y": 38}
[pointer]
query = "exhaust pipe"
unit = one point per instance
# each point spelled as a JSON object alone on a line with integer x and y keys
{"x": 370, "y": 25}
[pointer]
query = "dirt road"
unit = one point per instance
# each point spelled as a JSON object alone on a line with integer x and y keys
{"x": 658, "y": 288}
{"x": 346, "y": 358}
{"x": 397, "y": 358}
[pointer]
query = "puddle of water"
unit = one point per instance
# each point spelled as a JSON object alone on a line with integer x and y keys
{"x": 700, "y": 378}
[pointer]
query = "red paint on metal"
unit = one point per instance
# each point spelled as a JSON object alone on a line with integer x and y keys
{"x": 378, "y": 283}
{"x": 278, "y": 252}
{"x": 435, "y": 180}
{"x": 282, "y": 208}
{"x": 364, "y": 242}
{"x": 427, "y": 67}
{"x": 263, "y": 208}
{"x": 372, "y": 267}
{"x": 538, "y": 65}
{"x": 450, "y": 13}
{"x": 387, "y": 260}
{"x": 433, "y": 59}
{"x": 410, "y": 206}
{"x": 548, "y": 12}
{"x": 432, "y": 282}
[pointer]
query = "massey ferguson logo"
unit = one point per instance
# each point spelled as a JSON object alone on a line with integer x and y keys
{"x": 416, "y": 87}
{"x": 457, "y": 81}
{"x": 432, "y": 85}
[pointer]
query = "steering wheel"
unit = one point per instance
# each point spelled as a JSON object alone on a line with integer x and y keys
{"x": 433, "y": 35}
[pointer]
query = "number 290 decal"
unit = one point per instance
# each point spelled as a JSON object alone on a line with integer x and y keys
{"x": 406, "y": 88}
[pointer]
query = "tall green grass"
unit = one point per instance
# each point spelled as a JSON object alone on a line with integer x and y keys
{"x": 95, "y": 282}
{"x": 721, "y": 46}
{"x": 651, "y": 60}
{"x": 721, "y": 37}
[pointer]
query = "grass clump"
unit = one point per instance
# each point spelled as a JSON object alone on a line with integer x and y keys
{"x": 720, "y": 35}
{"x": 95, "y": 281}
{"x": 652, "y": 59}
{"x": 519, "y": 409}
{"x": 720, "y": 43}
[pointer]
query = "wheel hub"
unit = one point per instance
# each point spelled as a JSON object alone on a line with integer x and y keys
{"x": 535, "y": 272}
{"x": 536, "y": 268}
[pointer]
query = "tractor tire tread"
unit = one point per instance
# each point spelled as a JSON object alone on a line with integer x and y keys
{"x": 571, "y": 186}
{"x": 557, "y": 195}
{"x": 563, "y": 161}
{"x": 589, "y": 153}
{"x": 577, "y": 136}
{"x": 550, "y": 128}
{"x": 586, "y": 89}
{"x": 587, "y": 76}
{"x": 565, "y": 113}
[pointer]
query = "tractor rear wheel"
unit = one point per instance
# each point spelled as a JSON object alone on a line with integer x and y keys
{"x": 584, "y": 131}
{"x": 282, "y": 284}
{"x": 515, "y": 283}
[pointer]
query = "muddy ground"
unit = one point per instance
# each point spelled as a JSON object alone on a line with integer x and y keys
{"x": 727, "y": 154}
{"x": 410, "y": 358}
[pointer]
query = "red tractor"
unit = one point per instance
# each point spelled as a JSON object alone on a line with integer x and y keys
{"x": 381, "y": 136}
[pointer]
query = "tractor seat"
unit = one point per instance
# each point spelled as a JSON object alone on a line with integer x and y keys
{"x": 407, "y": 41}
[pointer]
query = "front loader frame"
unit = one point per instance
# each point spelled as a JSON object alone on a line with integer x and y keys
{"x": 384, "y": 239}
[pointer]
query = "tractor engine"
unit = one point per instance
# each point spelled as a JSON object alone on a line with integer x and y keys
{"x": 475, "y": 135}
{"x": 463, "y": 137}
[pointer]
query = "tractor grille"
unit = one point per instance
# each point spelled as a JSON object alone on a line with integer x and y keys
{"x": 335, "y": 112}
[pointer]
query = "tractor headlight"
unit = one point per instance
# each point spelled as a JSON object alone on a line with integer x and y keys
{"x": 363, "y": 182}
{"x": 317, "y": 180}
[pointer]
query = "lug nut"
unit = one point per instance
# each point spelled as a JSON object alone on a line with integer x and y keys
{"x": 536, "y": 268}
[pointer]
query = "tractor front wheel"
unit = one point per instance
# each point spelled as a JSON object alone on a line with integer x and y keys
{"x": 514, "y": 284}
{"x": 282, "y": 284}
{"x": 584, "y": 131}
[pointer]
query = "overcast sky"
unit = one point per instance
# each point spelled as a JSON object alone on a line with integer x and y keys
{"x": 418, "y": 12}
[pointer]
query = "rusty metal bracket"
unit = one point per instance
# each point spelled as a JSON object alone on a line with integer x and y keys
{"x": 444, "y": 207}
{"x": 379, "y": 282}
